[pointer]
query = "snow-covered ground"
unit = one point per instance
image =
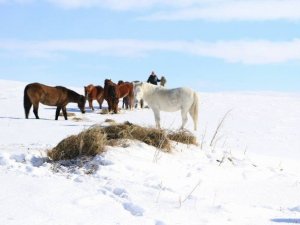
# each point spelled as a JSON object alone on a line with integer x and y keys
{"x": 250, "y": 175}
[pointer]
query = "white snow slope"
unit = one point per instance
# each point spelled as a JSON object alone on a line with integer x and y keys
{"x": 250, "y": 175}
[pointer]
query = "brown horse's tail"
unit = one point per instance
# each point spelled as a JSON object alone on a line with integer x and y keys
{"x": 27, "y": 102}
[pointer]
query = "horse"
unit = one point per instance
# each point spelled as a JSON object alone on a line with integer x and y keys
{"x": 92, "y": 92}
{"x": 111, "y": 95}
{"x": 137, "y": 101}
{"x": 169, "y": 100}
{"x": 126, "y": 92}
{"x": 59, "y": 96}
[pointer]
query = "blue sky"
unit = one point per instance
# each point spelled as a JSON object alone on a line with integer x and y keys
{"x": 209, "y": 45}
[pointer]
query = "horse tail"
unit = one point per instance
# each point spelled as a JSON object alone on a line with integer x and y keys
{"x": 194, "y": 110}
{"x": 27, "y": 102}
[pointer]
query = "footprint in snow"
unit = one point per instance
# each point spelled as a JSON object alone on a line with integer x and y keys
{"x": 135, "y": 210}
{"x": 158, "y": 222}
{"x": 4, "y": 160}
{"x": 121, "y": 192}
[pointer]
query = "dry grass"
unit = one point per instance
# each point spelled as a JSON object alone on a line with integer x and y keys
{"x": 104, "y": 111}
{"x": 110, "y": 121}
{"x": 77, "y": 119}
{"x": 183, "y": 136}
{"x": 69, "y": 114}
{"x": 150, "y": 136}
{"x": 88, "y": 143}
{"x": 92, "y": 141}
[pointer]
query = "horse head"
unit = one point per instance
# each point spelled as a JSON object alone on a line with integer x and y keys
{"x": 107, "y": 81}
{"x": 81, "y": 103}
{"x": 87, "y": 90}
{"x": 138, "y": 90}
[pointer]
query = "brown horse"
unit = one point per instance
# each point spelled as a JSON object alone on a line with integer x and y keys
{"x": 92, "y": 92}
{"x": 128, "y": 100}
{"x": 59, "y": 96}
{"x": 111, "y": 95}
{"x": 126, "y": 92}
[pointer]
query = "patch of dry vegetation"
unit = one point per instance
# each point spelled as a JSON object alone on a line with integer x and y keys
{"x": 87, "y": 143}
{"x": 150, "y": 136}
{"x": 109, "y": 121}
{"x": 69, "y": 114}
{"x": 93, "y": 140}
{"x": 77, "y": 119}
{"x": 104, "y": 111}
{"x": 183, "y": 136}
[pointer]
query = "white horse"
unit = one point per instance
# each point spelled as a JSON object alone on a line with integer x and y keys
{"x": 169, "y": 100}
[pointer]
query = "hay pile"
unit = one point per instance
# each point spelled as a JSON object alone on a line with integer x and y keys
{"x": 87, "y": 143}
{"x": 92, "y": 141}
{"x": 150, "y": 136}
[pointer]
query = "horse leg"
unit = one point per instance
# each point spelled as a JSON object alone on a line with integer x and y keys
{"x": 64, "y": 110}
{"x": 109, "y": 105}
{"x": 35, "y": 110}
{"x": 184, "y": 118}
{"x": 142, "y": 103}
{"x": 101, "y": 99}
{"x": 123, "y": 104}
{"x": 115, "y": 105}
{"x": 91, "y": 104}
{"x": 57, "y": 112}
{"x": 131, "y": 102}
{"x": 157, "y": 117}
{"x": 100, "y": 104}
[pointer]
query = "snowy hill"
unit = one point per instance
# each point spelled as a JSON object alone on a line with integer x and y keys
{"x": 250, "y": 175}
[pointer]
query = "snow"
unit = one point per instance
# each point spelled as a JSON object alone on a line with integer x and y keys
{"x": 249, "y": 176}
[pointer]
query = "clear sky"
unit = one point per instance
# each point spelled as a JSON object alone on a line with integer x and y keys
{"x": 209, "y": 45}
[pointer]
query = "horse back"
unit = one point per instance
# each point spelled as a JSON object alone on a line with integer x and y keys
{"x": 98, "y": 91}
{"x": 45, "y": 94}
{"x": 171, "y": 99}
{"x": 125, "y": 89}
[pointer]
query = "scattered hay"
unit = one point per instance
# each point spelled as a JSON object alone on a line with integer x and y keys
{"x": 183, "y": 136}
{"x": 77, "y": 119}
{"x": 150, "y": 136}
{"x": 69, "y": 114}
{"x": 104, "y": 111}
{"x": 109, "y": 121}
{"x": 88, "y": 143}
{"x": 92, "y": 141}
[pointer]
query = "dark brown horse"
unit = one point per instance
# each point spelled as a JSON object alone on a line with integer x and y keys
{"x": 59, "y": 96}
{"x": 92, "y": 92}
{"x": 126, "y": 92}
{"x": 111, "y": 95}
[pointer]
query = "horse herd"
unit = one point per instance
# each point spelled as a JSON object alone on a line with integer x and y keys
{"x": 157, "y": 97}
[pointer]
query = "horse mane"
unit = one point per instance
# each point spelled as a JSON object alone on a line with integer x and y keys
{"x": 150, "y": 87}
{"x": 73, "y": 95}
